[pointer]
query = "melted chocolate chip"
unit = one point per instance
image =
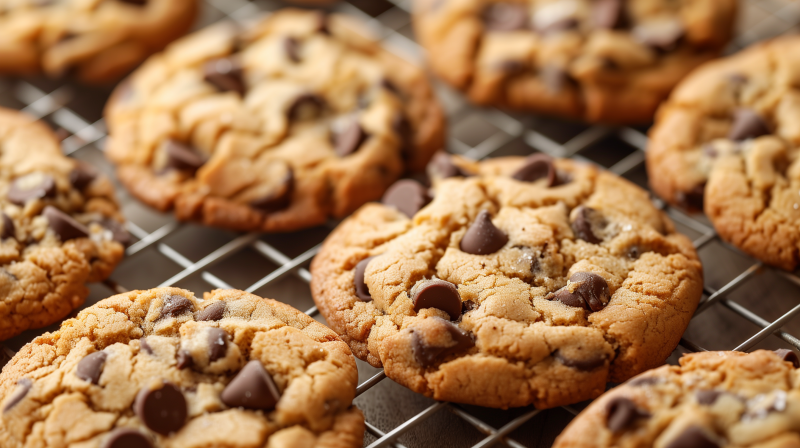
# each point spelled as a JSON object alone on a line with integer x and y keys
{"x": 182, "y": 157}
{"x": 581, "y": 364}
{"x": 127, "y": 438}
{"x": 426, "y": 355}
{"x": 162, "y": 410}
{"x": 82, "y": 175}
{"x": 213, "y": 312}
{"x": 118, "y": 231}
{"x": 8, "y": 230}
{"x": 442, "y": 166}
{"x": 747, "y": 124}
{"x": 622, "y": 413}
{"x": 31, "y": 186}
{"x": 693, "y": 437}
{"x": 279, "y": 187}
{"x": 251, "y": 388}
{"x": 90, "y": 367}
{"x": 483, "y": 237}
{"x": 145, "y": 346}
{"x": 662, "y": 34}
{"x": 439, "y": 294}
{"x": 408, "y": 196}
{"x": 306, "y": 107}
{"x": 217, "y": 344}
{"x": 505, "y": 17}
{"x": 692, "y": 199}
{"x": 292, "y": 48}
{"x": 606, "y": 14}
{"x": 708, "y": 397}
{"x": 349, "y": 140}
{"x": 184, "y": 360}
{"x": 789, "y": 356}
{"x": 585, "y": 290}
{"x": 582, "y": 225}
{"x": 362, "y": 291}
{"x": 537, "y": 166}
{"x": 225, "y": 74}
{"x": 64, "y": 225}
{"x": 176, "y": 305}
{"x": 23, "y": 387}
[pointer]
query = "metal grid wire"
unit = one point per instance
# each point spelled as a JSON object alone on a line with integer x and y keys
{"x": 738, "y": 289}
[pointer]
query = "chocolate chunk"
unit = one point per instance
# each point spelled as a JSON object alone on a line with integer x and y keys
{"x": 537, "y": 166}
{"x": 586, "y": 218}
{"x": 622, "y": 413}
{"x": 402, "y": 127}
{"x": 82, "y": 175}
{"x": 182, "y": 157}
{"x": 645, "y": 381}
{"x": 251, "y": 388}
{"x": 349, "y": 140}
{"x": 225, "y": 74}
{"x": 145, "y": 346}
{"x": 306, "y": 107}
{"x": 661, "y": 34}
{"x": 555, "y": 78}
{"x": 505, "y": 17}
{"x": 184, "y": 360}
{"x": 31, "y": 186}
{"x": 64, "y": 225}
{"x": 278, "y": 186}
{"x": 585, "y": 365}
{"x": 585, "y": 290}
{"x": 214, "y": 312}
{"x": 789, "y": 356}
{"x": 426, "y": 355}
{"x": 692, "y": 199}
{"x": 23, "y": 387}
{"x": 693, "y": 437}
{"x": 127, "y": 438}
{"x": 483, "y": 237}
{"x": 439, "y": 294}
{"x": 217, "y": 344}
{"x": 606, "y": 14}
{"x": 292, "y": 48}
{"x": 175, "y": 306}
{"x": 8, "y": 230}
{"x": 708, "y": 397}
{"x": 118, "y": 231}
{"x": 362, "y": 291}
{"x": 747, "y": 124}
{"x": 408, "y": 196}
{"x": 90, "y": 367}
{"x": 162, "y": 410}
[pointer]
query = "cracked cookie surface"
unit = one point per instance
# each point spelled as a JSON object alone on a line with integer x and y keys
{"x": 162, "y": 369}
{"x": 727, "y": 141}
{"x": 577, "y": 59}
{"x": 60, "y": 227}
{"x": 530, "y": 281}
{"x": 97, "y": 41}
{"x": 298, "y": 118}
{"x": 712, "y": 400}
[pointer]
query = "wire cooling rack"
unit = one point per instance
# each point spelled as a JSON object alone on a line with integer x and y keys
{"x": 745, "y": 305}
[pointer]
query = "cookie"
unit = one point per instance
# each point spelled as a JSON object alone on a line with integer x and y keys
{"x": 712, "y": 400}
{"x": 522, "y": 281}
{"x": 272, "y": 128}
{"x": 727, "y": 141}
{"x": 96, "y": 41}
{"x": 60, "y": 227}
{"x": 160, "y": 368}
{"x": 596, "y": 60}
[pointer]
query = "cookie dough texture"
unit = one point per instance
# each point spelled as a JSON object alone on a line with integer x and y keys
{"x": 727, "y": 141}
{"x": 595, "y": 60}
{"x": 96, "y": 41}
{"x": 45, "y": 260}
{"x": 712, "y": 399}
{"x": 526, "y": 347}
{"x": 145, "y": 338}
{"x": 282, "y": 125}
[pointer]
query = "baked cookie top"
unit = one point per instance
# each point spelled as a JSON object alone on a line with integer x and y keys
{"x": 530, "y": 281}
{"x": 94, "y": 40}
{"x": 60, "y": 227}
{"x": 731, "y": 130}
{"x": 579, "y": 59}
{"x": 160, "y": 368}
{"x": 712, "y": 400}
{"x": 274, "y": 128}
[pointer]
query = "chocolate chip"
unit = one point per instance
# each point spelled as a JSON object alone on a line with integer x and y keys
{"x": 426, "y": 355}
{"x": 505, "y": 17}
{"x": 483, "y": 237}
{"x": 537, "y": 166}
{"x": 408, "y": 196}
{"x": 789, "y": 356}
{"x": 82, "y": 175}
{"x": 586, "y": 219}
{"x": 213, "y": 312}
{"x": 251, "y": 388}
{"x": 362, "y": 291}
{"x": 162, "y": 410}
{"x": 645, "y": 381}
{"x": 439, "y": 294}
{"x": 145, "y": 346}
{"x": 585, "y": 290}
{"x": 555, "y": 77}
{"x": 661, "y": 34}
{"x": 176, "y": 305}
{"x": 182, "y": 157}
{"x": 23, "y": 387}
{"x": 350, "y": 139}
{"x": 402, "y": 127}
{"x": 31, "y": 186}
{"x": 606, "y": 14}
{"x": 217, "y": 344}
{"x": 387, "y": 84}
{"x": 747, "y": 124}
{"x": 90, "y": 367}
{"x": 184, "y": 360}
{"x": 693, "y": 437}
{"x": 306, "y": 107}
{"x": 135, "y": 2}
{"x": 442, "y": 166}
{"x": 225, "y": 74}
{"x": 634, "y": 252}
{"x": 278, "y": 185}
{"x": 622, "y": 413}
{"x": 708, "y": 397}
{"x": 292, "y": 48}
{"x": 692, "y": 199}
{"x": 127, "y": 438}
{"x": 581, "y": 364}
{"x": 118, "y": 231}
{"x": 8, "y": 230}
{"x": 64, "y": 225}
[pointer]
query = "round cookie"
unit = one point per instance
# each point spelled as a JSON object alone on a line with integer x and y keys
{"x": 530, "y": 281}
{"x": 160, "y": 369}
{"x": 727, "y": 141}
{"x": 60, "y": 227}
{"x": 274, "y": 128}
{"x": 97, "y": 41}
{"x": 596, "y": 60}
{"x": 712, "y": 400}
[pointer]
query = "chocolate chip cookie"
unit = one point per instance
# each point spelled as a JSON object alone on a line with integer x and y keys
{"x": 596, "y": 60}
{"x": 60, "y": 227}
{"x": 160, "y": 368}
{"x": 727, "y": 141}
{"x": 273, "y": 128}
{"x": 513, "y": 281}
{"x": 712, "y": 400}
{"x": 96, "y": 41}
